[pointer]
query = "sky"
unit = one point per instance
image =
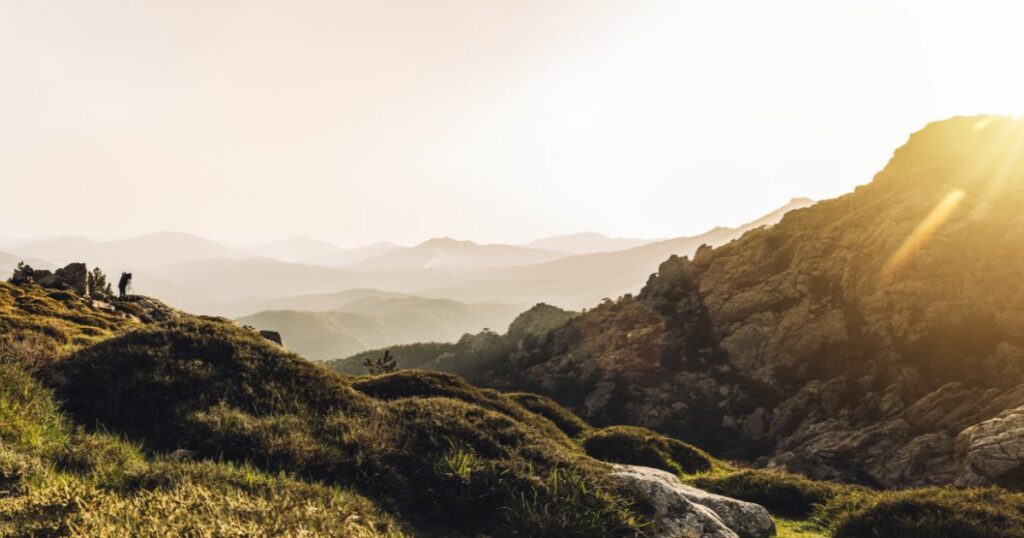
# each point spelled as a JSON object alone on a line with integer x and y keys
{"x": 495, "y": 121}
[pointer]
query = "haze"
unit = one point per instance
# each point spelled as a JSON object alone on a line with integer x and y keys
{"x": 494, "y": 121}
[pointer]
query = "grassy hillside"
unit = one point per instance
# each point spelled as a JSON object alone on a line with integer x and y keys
{"x": 113, "y": 425}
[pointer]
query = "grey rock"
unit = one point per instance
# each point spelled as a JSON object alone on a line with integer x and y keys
{"x": 685, "y": 511}
{"x": 993, "y": 449}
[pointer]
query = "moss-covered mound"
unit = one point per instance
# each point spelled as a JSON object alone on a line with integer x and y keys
{"x": 639, "y": 446}
{"x": 930, "y": 513}
{"x": 148, "y": 382}
{"x": 440, "y": 453}
{"x": 569, "y": 423}
{"x": 426, "y": 384}
{"x": 784, "y": 494}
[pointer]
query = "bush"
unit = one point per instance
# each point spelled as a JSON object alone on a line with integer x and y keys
{"x": 566, "y": 421}
{"x": 933, "y": 512}
{"x": 783, "y": 494}
{"x": 639, "y": 446}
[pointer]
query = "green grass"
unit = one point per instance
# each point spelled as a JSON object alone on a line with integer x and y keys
{"x": 67, "y": 320}
{"x": 188, "y": 499}
{"x": 788, "y": 528}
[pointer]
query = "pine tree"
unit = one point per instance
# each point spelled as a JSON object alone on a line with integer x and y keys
{"x": 99, "y": 288}
{"x": 385, "y": 364}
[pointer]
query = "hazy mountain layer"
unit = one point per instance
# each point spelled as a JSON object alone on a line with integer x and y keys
{"x": 198, "y": 274}
{"x": 587, "y": 243}
{"x": 375, "y": 321}
{"x": 447, "y": 253}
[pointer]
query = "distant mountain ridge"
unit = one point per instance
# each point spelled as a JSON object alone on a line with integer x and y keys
{"x": 369, "y": 320}
{"x": 448, "y": 253}
{"x": 587, "y": 243}
{"x": 195, "y": 273}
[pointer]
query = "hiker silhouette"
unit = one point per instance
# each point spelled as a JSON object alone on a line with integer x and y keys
{"x": 122, "y": 285}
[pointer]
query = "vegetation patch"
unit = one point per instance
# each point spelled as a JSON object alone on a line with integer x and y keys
{"x": 783, "y": 494}
{"x": 930, "y": 512}
{"x": 423, "y": 383}
{"x": 566, "y": 421}
{"x": 639, "y": 446}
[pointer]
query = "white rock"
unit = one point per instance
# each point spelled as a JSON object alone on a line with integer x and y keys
{"x": 682, "y": 511}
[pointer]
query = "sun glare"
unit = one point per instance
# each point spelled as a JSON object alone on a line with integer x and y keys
{"x": 920, "y": 236}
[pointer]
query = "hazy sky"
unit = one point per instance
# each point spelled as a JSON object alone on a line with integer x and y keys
{"x": 486, "y": 120}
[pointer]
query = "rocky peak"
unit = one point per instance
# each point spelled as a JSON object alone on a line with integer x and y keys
{"x": 827, "y": 344}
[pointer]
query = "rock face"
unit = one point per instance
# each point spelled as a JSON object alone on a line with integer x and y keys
{"x": 681, "y": 511}
{"x": 867, "y": 338}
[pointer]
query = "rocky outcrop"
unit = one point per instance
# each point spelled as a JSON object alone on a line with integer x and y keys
{"x": 855, "y": 340}
{"x": 74, "y": 276}
{"x": 681, "y": 511}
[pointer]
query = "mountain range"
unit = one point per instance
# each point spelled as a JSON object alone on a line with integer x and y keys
{"x": 200, "y": 274}
{"x": 875, "y": 338}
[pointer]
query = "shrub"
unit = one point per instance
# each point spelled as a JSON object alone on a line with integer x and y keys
{"x": 381, "y": 364}
{"x": 783, "y": 494}
{"x": 639, "y": 446}
{"x": 566, "y": 421}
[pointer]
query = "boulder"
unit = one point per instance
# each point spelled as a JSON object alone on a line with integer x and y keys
{"x": 73, "y": 276}
{"x": 993, "y": 449}
{"x": 273, "y": 336}
{"x": 682, "y": 511}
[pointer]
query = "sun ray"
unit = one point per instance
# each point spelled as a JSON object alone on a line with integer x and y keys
{"x": 1005, "y": 169}
{"x": 921, "y": 234}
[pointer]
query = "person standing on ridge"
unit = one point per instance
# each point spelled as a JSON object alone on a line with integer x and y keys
{"x": 122, "y": 285}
